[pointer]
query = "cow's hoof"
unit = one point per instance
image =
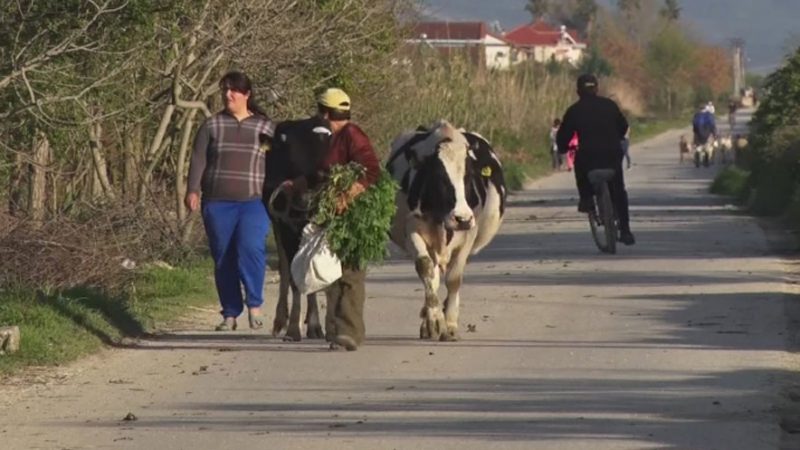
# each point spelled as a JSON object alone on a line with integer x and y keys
{"x": 315, "y": 332}
{"x": 451, "y": 334}
{"x": 293, "y": 334}
{"x": 433, "y": 324}
{"x": 278, "y": 325}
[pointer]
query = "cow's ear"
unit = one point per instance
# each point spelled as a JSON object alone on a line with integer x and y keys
{"x": 472, "y": 155}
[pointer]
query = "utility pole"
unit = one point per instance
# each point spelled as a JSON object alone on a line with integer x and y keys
{"x": 738, "y": 66}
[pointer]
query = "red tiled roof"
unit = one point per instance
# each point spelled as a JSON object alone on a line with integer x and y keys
{"x": 498, "y": 36}
{"x": 450, "y": 30}
{"x": 537, "y": 34}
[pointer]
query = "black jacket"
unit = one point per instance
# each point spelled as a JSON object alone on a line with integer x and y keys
{"x": 600, "y": 125}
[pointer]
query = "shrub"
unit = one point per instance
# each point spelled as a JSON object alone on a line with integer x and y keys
{"x": 732, "y": 181}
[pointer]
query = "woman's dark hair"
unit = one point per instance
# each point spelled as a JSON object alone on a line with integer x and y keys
{"x": 239, "y": 82}
{"x": 333, "y": 113}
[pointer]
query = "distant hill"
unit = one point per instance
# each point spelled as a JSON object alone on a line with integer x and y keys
{"x": 765, "y": 25}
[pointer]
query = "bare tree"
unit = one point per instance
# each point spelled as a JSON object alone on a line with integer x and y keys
{"x": 119, "y": 110}
{"x": 38, "y": 33}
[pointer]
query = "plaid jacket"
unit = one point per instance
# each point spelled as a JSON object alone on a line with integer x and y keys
{"x": 228, "y": 157}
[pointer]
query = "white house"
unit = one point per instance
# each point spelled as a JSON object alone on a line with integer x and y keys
{"x": 471, "y": 38}
{"x": 544, "y": 42}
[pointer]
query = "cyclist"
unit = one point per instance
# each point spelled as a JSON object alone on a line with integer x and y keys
{"x": 601, "y": 127}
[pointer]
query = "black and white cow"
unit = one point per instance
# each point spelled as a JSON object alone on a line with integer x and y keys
{"x": 297, "y": 149}
{"x": 450, "y": 205}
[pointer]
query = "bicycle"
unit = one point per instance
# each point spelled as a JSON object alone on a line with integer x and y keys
{"x": 603, "y": 217}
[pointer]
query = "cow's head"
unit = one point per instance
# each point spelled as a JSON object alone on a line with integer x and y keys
{"x": 299, "y": 147}
{"x": 440, "y": 165}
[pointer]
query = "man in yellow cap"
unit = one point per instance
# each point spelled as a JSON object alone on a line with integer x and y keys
{"x": 344, "y": 321}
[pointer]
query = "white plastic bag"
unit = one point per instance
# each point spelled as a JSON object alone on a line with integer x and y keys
{"x": 315, "y": 266}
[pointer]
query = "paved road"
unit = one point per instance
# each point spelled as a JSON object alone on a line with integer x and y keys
{"x": 679, "y": 342}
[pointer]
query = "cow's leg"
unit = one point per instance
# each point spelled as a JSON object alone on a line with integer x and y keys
{"x": 282, "y": 308}
{"x": 313, "y": 325}
{"x": 453, "y": 279}
{"x": 433, "y": 323}
{"x": 295, "y": 332}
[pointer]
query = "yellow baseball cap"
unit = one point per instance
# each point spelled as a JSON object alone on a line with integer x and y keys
{"x": 335, "y": 98}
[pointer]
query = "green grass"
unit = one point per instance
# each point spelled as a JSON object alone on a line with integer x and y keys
{"x": 160, "y": 295}
{"x": 731, "y": 181}
{"x": 643, "y": 129}
{"x": 517, "y": 174}
{"x": 61, "y": 327}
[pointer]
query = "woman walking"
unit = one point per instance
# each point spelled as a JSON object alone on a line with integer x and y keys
{"x": 227, "y": 166}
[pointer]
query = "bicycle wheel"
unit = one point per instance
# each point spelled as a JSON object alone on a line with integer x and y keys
{"x": 603, "y": 222}
{"x": 609, "y": 219}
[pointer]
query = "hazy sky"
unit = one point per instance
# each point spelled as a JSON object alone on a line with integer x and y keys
{"x": 766, "y": 25}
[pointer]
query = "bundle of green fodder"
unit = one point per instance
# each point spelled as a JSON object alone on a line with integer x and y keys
{"x": 359, "y": 235}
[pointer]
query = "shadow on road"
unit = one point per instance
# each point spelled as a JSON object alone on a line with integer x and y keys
{"x": 662, "y": 411}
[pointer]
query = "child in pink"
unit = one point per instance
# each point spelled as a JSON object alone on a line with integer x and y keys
{"x": 571, "y": 149}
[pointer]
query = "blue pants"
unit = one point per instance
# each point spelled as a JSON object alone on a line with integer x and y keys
{"x": 237, "y": 234}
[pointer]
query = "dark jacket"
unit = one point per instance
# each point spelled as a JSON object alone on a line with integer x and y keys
{"x": 703, "y": 126}
{"x": 300, "y": 154}
{"x": 601, "y": 127}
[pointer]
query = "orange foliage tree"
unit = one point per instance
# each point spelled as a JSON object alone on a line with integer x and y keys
{"x": 696, "y": 72}
{"x": 713, "y": 70}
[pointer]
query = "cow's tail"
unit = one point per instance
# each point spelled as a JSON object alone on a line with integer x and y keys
{"x": 488, "y": 220}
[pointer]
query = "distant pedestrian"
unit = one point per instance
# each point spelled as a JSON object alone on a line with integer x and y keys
{"x": 626, "y": 143}
{"x": 554, "y": 155}
{"x": 732, "y": 107}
